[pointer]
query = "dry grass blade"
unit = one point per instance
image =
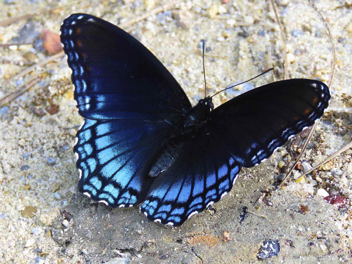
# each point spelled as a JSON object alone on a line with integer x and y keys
{"x": 24, "y": 88}
{"x": 28, "y": 70}
{"x": 11, "y": 20}
{"x": 283, "y": 36}
{"x": 348, "y": 146}
{"x": 14, "y": 44}
{"x": 333, "y": 65}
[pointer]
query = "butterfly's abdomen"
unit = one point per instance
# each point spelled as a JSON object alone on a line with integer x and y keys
{"x": 165, "y": 158}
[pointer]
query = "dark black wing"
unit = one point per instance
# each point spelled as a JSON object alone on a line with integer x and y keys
{"x": 131, "y": 104}
{"x": 252, "y": 125}
{"x": 115, "y": 76}
{"x": 242, "y": 132}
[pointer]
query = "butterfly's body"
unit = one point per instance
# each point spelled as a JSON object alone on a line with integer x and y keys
{"x": 193, "y": 121}
{"x": 142, "y": 141}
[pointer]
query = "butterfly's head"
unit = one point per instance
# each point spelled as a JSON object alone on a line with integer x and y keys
{"x": 207, "y": 101}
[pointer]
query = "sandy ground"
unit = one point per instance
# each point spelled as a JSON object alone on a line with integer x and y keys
{"x": 43, "y": 219}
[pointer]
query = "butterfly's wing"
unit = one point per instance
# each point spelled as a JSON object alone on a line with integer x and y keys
{"x": 131, "y": 104}
{"x": 241, "y": 132}
{"x": 252, "y": 125}
{"x": 115, "y": 76}
{"x": 201, "y": 175}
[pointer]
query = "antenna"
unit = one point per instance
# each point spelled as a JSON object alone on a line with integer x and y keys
{"x": 243, "y": 82}
{"x": 205, "y": 81}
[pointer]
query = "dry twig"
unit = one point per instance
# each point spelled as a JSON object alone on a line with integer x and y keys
{"x": 283, "y": 36}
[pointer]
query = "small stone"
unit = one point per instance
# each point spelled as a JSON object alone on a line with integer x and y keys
{"x": 29, "y": 211}
{"x": 149, "y": 3}
{"x": 26, "y": 156}
{"x": 269, "y": 248}
{"x": 37, "y": 250}
{"x": 323, "y": 248}
{"x": 322, "y": 193}
{"x": 301, "y": 179}
{"x": 291, "y": 57}
{"x": 213, "y": 11}
{"x": 65, "y": 223}
{"x": 249, "y": 20}
{"x": 36, "y": 231}
{"x": 24, "y": 167}
{"x": 30, "y": 242}
{"x": 29, "y": 56}
{"x": 4, "y": 110}
{"x": 306, "y": 166}
{"x": 349, "y": 28}
{"x": 297, "y": 33}
{"x": 51, "y": 161}
{"x": 281, "y": 164}
{"x": 222, "y": 9}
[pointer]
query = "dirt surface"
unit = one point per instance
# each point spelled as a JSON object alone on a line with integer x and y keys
{"x": 43, "y": 218}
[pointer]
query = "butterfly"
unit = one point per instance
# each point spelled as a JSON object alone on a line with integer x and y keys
{"x": 142, "y": 142}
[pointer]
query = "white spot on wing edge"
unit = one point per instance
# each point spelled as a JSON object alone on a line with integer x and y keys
{"x": 80, "y": 173}
{"x": 121, "y": 206}
{"x": 104, "y": 202}
{"x": 157, "y": 220}
{"x": 192, "y": 214}
{"x": 170, "y": 224}
{"x": 222, "y": 196}
{"x": 80, "y": 17}
{"x": 209, "y": 204}
{"x": 87, "y": 194}
{"x": 76, "y": 156}
{"x": 145, "y": 213}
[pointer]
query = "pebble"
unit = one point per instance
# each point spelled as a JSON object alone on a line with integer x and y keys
{"x": 51, "y": 161}
{"x": 39, "y": 260}
{"x": 65, "y": 223}
{"x": 30, "y": 242}
{"x": 297, "y": 33}
{"x": 306, "y": 166}
{"x": 349, "y": 28}
{"x": 322, "y": 193}
{"x": 26, "y": 156}
{"x": 37, "y": 250}
{"x": 36, "y": 231}
{"x": 24, "y": 167}
{"x": 269, "y": 248}
{"x": 323, "y": 248}
{"x": 57, "y": 196}
{"x": 336, "y": 172}
{"x": 4, "y": 110}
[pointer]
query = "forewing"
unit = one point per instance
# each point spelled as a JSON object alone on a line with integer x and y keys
{"x": 252, "y": 125}
{"x": 115, "y": 76}
{"x": 200, "y": 176}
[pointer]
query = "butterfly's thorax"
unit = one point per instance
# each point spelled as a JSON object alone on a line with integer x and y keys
{"x": 194, "y": 119}
{"x": 198, "y": 114}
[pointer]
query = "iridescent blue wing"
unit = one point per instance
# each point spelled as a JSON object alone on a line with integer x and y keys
{"x": 252, "y": 125}
{"x": 114, "y": 158}
{"x": 242, "y": 132}
{"x": 201, "y": 175}
{"x": 131, "y": 104}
